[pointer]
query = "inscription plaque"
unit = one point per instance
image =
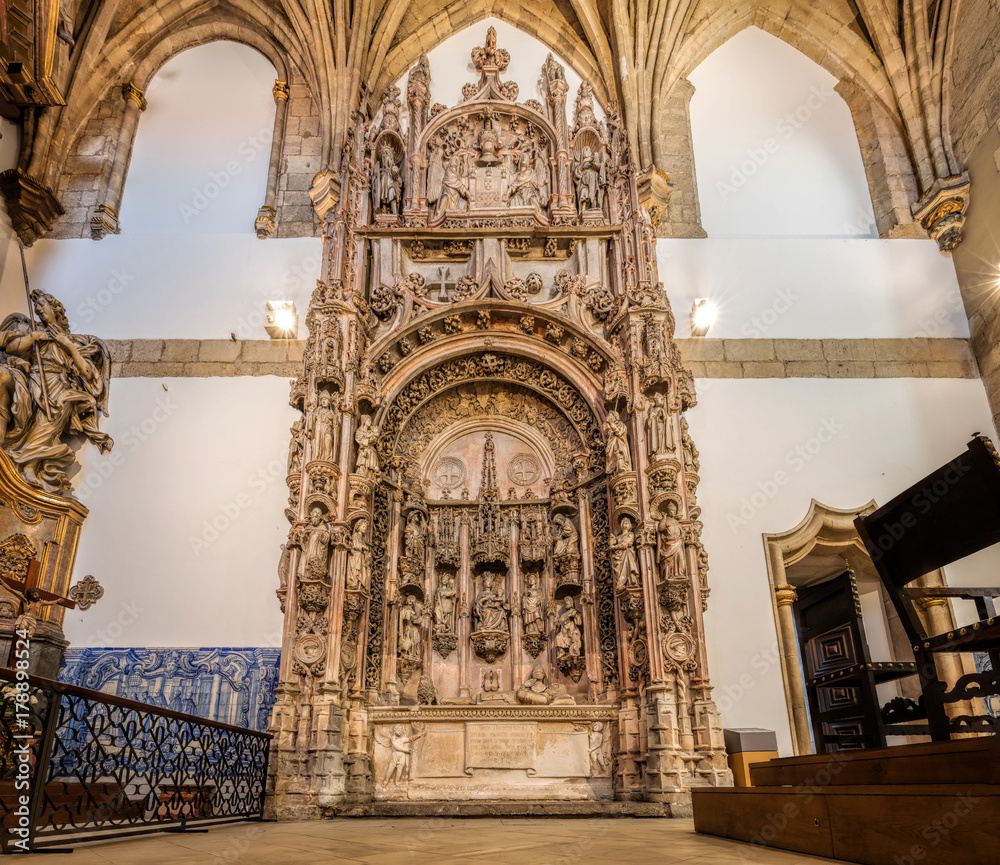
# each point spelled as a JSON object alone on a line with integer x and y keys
{"x": 501, "y": 746}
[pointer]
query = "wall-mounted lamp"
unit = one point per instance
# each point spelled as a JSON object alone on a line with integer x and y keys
{"x": 702, "y": 316}
{"x": 282, "y": 321}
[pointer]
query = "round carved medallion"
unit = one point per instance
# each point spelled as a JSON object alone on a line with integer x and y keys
{"x": 523, "y": 469}
{"x": 678, "y": 646}
{"x": 309, "y": 649}
{"x": 449, "y": 473}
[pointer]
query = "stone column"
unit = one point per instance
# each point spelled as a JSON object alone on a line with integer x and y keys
{"x": 784, "y": 596}
{"x": 104, "y": 219}
{"x": 514, "y": 599}
{"x": 264, "y": 224}
{"x": 462, "y": 607}
{"x": 674, "y": 156}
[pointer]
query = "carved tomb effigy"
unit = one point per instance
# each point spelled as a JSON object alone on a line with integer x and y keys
{"x": 494, "y": 581}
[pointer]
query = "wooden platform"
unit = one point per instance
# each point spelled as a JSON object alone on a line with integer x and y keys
{"x": 933, "y": 804}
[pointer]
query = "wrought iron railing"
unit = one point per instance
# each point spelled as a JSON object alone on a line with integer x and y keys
{"x": 78, "y": 764}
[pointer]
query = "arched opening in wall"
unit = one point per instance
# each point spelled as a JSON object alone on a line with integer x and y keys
{"x": 845, "y": 657}
{"x": 775, "y": 147}
{"x": 200, "y": 160}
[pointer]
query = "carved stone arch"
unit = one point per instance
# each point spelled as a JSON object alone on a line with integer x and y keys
{"x": 550, "y": 32}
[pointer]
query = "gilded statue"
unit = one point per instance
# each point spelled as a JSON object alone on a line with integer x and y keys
{"x": 53, "y": 387}
{"x": 624, "y": 563}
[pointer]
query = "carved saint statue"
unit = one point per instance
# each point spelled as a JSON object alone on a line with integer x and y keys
{"x": 295, "y": 448}
{"x": 359, "y": 572}
{"x": 491, "y": 605}
{"x": 590, "y": 176}
{"x": 524, "y": 190}
{"x": 691, "y": 457}
{"x": 317, "y": 546}
{"x": 624, "y": 563}
{"x": 537, "y": 692}
{"x": 410, "y": 615}
{"x": 661, "y": 437}
{"x": 569, "y": 641}
{"x": 454, "y": 191}
{"x": 618, "y": 457}
{"x": 322, "y": 429}
{"x": 670, "y": 544}
{"x": 366, "y": 437}
{"x": 532, "y": 607}
{"x": 415, "y": 535}
{"x": 567, "y": 537}
{"x": 283, "y": 565}
{"x": 444, "y": 605}
{"x": 387, "y": 184}
{"x": 597, "y": 741}
{"x": 58, "y": 391}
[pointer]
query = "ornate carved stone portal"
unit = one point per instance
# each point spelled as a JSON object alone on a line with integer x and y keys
{"x": 494, "y": 580}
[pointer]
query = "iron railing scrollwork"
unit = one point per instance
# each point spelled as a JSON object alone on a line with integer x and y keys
{"x": 83, "y": 764}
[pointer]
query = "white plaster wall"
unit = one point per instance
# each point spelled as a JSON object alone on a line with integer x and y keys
{"x": 767, "y": 448}
{"x": 186, "y": 514}
{"x": 775, "y": 149}
{"x": 814, "y": 288}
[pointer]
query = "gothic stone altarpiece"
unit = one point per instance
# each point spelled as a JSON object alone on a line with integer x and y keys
{"x": 494, "y": 581}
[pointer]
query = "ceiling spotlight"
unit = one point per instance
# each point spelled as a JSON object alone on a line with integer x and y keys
{"x": 702, "y": 316}
{"x": 282, "y": 321}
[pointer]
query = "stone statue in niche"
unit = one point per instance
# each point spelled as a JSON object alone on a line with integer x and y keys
{"x": 537, "y": 692}
{"x": 296, "y": 446}
{"x": 410, "y": 615}
{"x": 491, "y": 606}
{"x": 532, "y": 607}
{"x": 387, "y": 184}
{"x": 451, "y": 190}
{"x": 526, "y": 189}
{"x": 590, "y": 177}
{"x": 284, "y": 563}
{"x": 552, "y": 70}
{"x": 661, "y": 437}
{"x": 567, "y": 538}
{"x": 400, "y": 745}
{"x": 618, "y": 457}
{"x": 624, "y": 563}
{"x": 317, "y": 546}
{"x": 322, "y": 423}
{"x": 358, "y": 563}
{"x": 569, "y": 638}
{"x": 670, "y": 544}
{"x": 691, "y": 458}
{"x": 415, "y": 536}
{"x": 444, "y": 604}
{"x": 53, "y": 386}
{"x": 366, "y": 436}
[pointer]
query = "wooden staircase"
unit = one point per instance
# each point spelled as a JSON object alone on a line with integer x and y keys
{"x": 936, "y": 803}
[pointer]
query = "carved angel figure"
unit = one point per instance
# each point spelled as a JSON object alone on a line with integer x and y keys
{"x": 317, "y": 546}
{"x": 400, "y": 745}
{"x": 597, "y": 740}
{"x": 624, "y": 563}
{"x": 568, "y": 538}
{"x": 532, "y": 607}
{"x": 618, "y": 457}
{"x": 359, "y": 572}
{"x": 387, "y": 183}
{"x": 68, "y": 385}
{"x": 444, "y": 604}
{"x": 661, "y": 437}
{"x": 366, "y": 436}
{"x": 670, "y": 544}
{"x": 491, "y": 606}
{"x": 590, "y": 177}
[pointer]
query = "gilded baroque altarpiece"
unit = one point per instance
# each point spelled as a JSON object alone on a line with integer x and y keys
{"x": 494, "y": 581}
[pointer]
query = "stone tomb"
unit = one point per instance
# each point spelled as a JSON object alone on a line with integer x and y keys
{"x": 511, "y": 753}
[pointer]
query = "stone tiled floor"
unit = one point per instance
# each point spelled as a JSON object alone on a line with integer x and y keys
{"x": 496, "y": 841}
